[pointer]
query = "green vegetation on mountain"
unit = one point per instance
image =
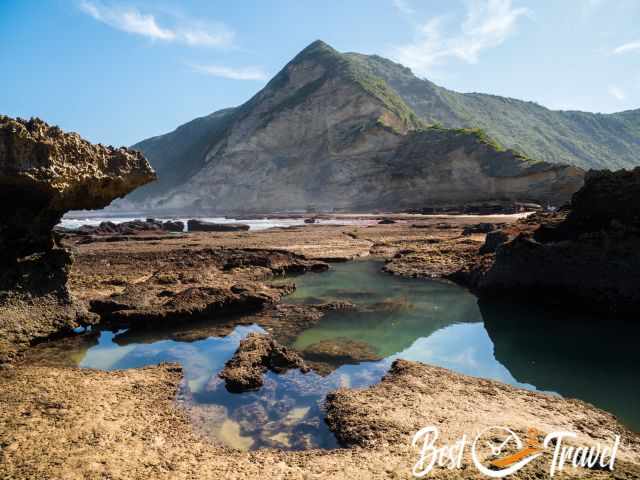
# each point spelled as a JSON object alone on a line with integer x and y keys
{"x": 329, "y": 132}
{"x": 339, "y": 65}
{"x": 177, "y": 155}
{"x": 588, "y": 140}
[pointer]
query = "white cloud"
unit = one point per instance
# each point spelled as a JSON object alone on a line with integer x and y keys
{"x": 130, "y": 20}
{"x": 617, "y": 93}
{"x": 488, "y": 23}
{"x": 242, "y": 73}
{"x": 627, "y": 47}
{"x": 404, "y": 7}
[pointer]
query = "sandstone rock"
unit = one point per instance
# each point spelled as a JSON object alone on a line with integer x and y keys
{"x": 256, "y": 354}
{"x": 202, "y": 226}
{"x": 43, "y": 174}
{"x": 413, "y": 395}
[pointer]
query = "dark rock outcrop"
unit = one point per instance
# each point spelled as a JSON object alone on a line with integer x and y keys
{"x": 133, "y": 227}
{"x": 256, "y": 354}
{"x": 493, "y": 240}
{"x": 202, "y": 226}
{"x": 173, "y": 226}
{"x": 480, "y": 228}
{"x": 44, "y": 173}
{"x": 588, "y": 258}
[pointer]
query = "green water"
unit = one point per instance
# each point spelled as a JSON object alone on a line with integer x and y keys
{"x": 429, "y": 321}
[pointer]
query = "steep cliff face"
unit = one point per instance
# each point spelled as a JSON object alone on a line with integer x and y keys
{"x": 43, "y": 174}
{"x": 325, "y": 133}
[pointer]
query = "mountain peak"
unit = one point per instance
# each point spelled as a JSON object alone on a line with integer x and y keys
{"x": 317, "y": 51}
{"x": 317, "y": 45}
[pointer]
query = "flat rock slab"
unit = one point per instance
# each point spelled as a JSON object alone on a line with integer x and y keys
{"x": 202, "y": 226}
{"x": 73, "y": 423}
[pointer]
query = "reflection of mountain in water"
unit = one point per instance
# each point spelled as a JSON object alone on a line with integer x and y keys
{"x": 594, "y": 359}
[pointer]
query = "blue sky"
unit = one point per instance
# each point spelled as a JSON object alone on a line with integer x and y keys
{"x": 120, "y": 71}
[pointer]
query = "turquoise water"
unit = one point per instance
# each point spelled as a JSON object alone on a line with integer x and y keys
{"x": 423, "y": 320}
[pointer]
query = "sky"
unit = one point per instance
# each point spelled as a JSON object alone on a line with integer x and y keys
{"x": 118, "y": 72}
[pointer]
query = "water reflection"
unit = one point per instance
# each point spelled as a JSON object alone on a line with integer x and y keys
{"x": 577, "y": 355}
{"x": 422, "y": 320}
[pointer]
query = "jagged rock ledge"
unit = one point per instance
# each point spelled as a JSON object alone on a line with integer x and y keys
{"x": 256, "y": 354}
{"x": 586, "y": 257}
{"x": 44, "y": 173}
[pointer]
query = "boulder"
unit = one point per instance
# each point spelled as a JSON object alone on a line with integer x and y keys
{"x": 256, "y": 354}
{"x": 44, "y": 173}
{"x": 202, "y": 226}
{"x": 386, "y": 221}
{"x": 173, "y": 226}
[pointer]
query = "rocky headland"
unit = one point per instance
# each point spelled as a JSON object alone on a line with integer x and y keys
{"x": 585, "y": 256}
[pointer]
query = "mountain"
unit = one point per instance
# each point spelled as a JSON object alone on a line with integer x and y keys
{"x": 177, "y": 155}
{"x": 587, "y": 140}
{"x": 329, "y": 132}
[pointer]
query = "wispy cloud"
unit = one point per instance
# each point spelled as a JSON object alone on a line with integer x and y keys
{"x": 242, "y": 73}
{"x": 627, "y": 47}
{"x": 616, "y": 92}
{"x": 131, "y": 20}
{"x": 404, "y": 6}
{"x": 487, "y": 24}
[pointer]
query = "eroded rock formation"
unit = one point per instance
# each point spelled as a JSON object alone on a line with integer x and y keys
{"x": 256, "y": 354}
{"x": 587, "y": 257}
{"x": 44, "y": 173}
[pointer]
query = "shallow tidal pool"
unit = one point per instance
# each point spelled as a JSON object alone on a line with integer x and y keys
{"x": 423, "y": 320}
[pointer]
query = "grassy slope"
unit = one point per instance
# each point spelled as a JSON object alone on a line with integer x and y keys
{"x": 588, "y": 140}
